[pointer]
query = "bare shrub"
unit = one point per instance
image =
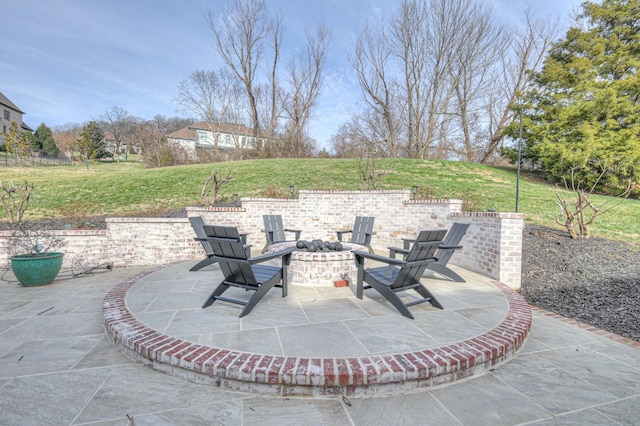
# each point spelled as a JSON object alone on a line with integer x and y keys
{"x": 471, "y": 201}
{"x": 34, "y": 239}
{"x": 80, "y": 215}
{"x": 273, "y": 192}
{"x": 15, "y": 200}
{"x": 218, "y": 182}
{"x": 577, "y": 211}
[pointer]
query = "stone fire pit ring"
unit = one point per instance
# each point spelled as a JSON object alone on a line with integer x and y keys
{"x": 320, "y": 268}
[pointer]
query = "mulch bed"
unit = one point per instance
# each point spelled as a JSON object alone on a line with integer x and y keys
{"x": 595, "y": 281}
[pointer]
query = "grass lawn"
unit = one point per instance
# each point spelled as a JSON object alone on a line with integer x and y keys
{"x": 128, "y": 188}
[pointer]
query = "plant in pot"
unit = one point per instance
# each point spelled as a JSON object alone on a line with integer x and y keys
{"x": 32, "y": 246}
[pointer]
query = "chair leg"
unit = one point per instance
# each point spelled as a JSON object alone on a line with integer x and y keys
{"x": 257, "y": 295}
{"x": 426, "y": 294}
{"x": 443, "y": 270}
{"x": 222, "y": 287}
{"x": 360, "y": 277}
{"x": 392, "y": 297}
{"x": 205, "y": 262}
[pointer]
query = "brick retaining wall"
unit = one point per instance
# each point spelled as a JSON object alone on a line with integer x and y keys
{"x": 492, "y": 245}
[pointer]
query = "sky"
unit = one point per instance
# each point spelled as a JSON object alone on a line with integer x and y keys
{"x": 69, "y": 61}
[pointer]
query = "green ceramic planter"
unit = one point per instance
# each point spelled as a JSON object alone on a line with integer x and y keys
{"x": 36, "y": 270}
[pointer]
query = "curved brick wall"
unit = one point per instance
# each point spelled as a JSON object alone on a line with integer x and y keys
{"x": 492, "y": 245}
{"x": 285, "y": 375}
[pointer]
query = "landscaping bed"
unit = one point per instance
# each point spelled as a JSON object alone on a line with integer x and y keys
{"x": 595, "y": 281}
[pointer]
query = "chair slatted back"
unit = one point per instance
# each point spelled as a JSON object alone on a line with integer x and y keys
{"x": 226, "y": 241}
{"x": 274, "y": 228}
{"x": 417, "y": 251}
{"x": 232, "y": 258}
{"x": 362, "y": 229}
{"x": 221, "y": 231}
{"x": 453, "y": 238}
{"x": 198, "y": 226}
{"x": 425, "y": 247}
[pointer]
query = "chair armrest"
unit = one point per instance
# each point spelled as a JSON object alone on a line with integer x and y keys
{"x": 269, "y": 256}
{"x": 243, "y": 237}
{"x": 406, "y": 243}
{"x": 422, "y": 262}
{"x": 377, "y": 257}
{"x": 450, "y": 247}
{"x": 394, "y": 250}
{"x": 297, "y": 232}
{"x": 345, "y": 231}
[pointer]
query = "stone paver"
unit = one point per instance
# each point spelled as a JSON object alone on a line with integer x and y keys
{"x": 58, "y": 368}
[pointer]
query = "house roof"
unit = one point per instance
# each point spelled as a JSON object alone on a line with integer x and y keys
{"x": 184, "y": 133}
{"x": 190, "y": 132}
{"x": 5, "y": 101}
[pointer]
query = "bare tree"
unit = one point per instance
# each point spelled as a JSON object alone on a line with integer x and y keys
{"x": 118, "y": 122}
{"x": 213, "y": 97}
{"x": 65, "y": 137}
{"x": 422, "y": 34}
{"x": 272, "y": 111}
{"x": 240, "y": 32}
{"x": 476, "y": 52}
{"x": 371, "y": 60}
{"x": 150, "y": 136}
{"x": 437, "y": 80}
{"x": 304, "y": 78}
{"x": 525, "y": 53}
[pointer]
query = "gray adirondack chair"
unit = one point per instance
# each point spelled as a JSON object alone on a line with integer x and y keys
{"x": 275, "y": 232}
{"x": 198, "y": 226}
{"x": 449, "y": 245}
{"x": 361, "y": 232}
{"x": 400, "y": 275}
{"x": 241, "y": 271}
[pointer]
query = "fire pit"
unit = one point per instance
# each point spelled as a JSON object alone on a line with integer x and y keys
{"x": 320, "y": 268}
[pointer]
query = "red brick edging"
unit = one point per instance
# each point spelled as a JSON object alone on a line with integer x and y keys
{"x": 286, "y": 375}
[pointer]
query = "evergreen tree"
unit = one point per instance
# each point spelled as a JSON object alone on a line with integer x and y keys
{"x": 584, "y": 115}
{"x": 91, "y": 143}
{"x": 43, "y": 139}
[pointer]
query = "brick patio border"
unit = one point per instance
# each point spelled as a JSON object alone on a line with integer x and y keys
{"x": 286, "y": 375}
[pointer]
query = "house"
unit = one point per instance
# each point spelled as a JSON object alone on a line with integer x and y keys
{"x": 229, "y": 137}
{"x": 10, "y": 113}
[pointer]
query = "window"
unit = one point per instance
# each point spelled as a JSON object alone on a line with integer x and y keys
{"x": 228, "y": 140}
{"x": 202, "y": 136}
{"x": 7, "y": 115}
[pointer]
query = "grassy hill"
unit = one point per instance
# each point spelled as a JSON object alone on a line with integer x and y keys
{"x": 128, "y": 188}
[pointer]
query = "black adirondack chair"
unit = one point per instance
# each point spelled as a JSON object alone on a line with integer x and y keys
{"x": 400, "y": 275}
{"x": 247, "y": 273}
{"x": 275, "y": 232}
{"x": 198, "y": 226}
{"x": 361, "y": 232}
{"x": 449, "y": 245}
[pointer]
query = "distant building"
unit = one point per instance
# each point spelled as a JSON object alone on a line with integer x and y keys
{"x": 229, "y": 137}
{"x": 10, "y": 113}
